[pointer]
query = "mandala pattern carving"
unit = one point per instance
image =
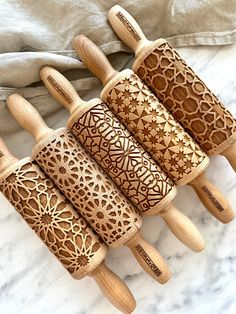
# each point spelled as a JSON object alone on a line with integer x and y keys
{"x": 89, "y": 189}
{"x": 187, "y": 98}
{"x": 54, "y": 220}
{"x": 155, "y": 128}
{"x": 118, "y": 153}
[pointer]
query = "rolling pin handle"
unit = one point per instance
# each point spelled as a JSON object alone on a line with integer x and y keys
{"x": 114, "y": 289}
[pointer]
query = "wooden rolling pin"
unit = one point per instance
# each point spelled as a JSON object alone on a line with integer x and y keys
{"x": 54, "y": 220}
{"x": 154, "y": 127}
{"x": 118, "y": 153}
{"x": 88, "y": 188}
{"x": 178, "y": 87}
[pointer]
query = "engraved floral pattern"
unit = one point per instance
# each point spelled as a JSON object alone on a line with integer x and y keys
{"x": 187, "y": 98}
{"x": 89, "y": 189}
{"x": 126, "y": 162}
{"x": 52, "y": 217}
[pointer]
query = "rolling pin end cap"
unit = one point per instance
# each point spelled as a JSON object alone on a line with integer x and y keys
{"x": 116, "y": 8}
{"x": 228, "y": 216}
{"x": 114, "y": 288}
{"x": 149, "y": 259}
{"x": 44, "y": 70}
{"x": 78, "y": 40}
{"x": 200, "y": 246}
{"x": 165, "y": 277}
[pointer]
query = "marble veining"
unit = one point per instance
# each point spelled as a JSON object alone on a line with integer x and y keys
{"x": 33, "y": 282}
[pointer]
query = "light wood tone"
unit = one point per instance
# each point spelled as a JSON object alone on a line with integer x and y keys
{"x": 107, "y": 211}
{"x": 212, "y": 199}
{"x": 185, "y": 160}
{"x": 101, "y": 67}
{"x": 114, "y": 289}
{"x": 127, "y": 29}
{"x": 66, "y": 93}
{"x": 183, "y": 228}
{"x": 149, "y": 259}
{"x": 22, "y": 110}
{"x": 79, "y": 249}
{"x": 196, "y": 108}
{"x": 230, "y": 155}
{"x": 179, "y": 224}
{"x": 6, "y": 158}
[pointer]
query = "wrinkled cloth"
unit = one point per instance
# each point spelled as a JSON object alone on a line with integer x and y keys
{"x": 38, "y": 33}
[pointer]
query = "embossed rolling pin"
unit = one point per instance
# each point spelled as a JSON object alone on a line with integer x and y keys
{"x": 154, "y": 127}
{"x": 118, "y": 153}
{"x": 88, "y": 188}
{"x": 181, "y": 91}
{"x": 54, "y": 220}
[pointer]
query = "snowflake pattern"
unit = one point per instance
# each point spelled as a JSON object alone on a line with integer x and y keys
{"x": 155, "y": 128}
{"x": 89, "y": 189}
{"x": 53, "y": 218}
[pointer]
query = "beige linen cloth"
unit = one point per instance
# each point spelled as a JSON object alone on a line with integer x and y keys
{"x": 37, "y": 33}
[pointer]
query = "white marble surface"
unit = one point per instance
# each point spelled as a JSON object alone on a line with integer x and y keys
{"x": 33, "y": 282}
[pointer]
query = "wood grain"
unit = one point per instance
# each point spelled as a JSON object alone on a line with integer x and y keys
{"x": 106, "y": 139}
{"x": 65, "y": 232}
{"x": 89, "y": 189}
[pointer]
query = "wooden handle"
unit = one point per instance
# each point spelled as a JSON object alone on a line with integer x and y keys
{"x": 212, "y": 199}
{"x": 94, "y": 59}
{"x": 114, "y": 289}
{"x": 149, "y": 258}
{"x": 183, "y": 228}
{"x": 230, "y": 154}
{"x": 60, "y": 88}
{"x": 27, "y": 116}
{"x": 6, "y": 158}
{"x": 127, "y": 29}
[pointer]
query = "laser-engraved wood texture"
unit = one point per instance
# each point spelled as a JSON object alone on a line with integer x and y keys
{"x": 52, "y": 217}
{"x": 125, "y": 161}
{"x": 185, "y": 95}
{"x": 89, "y": 189}
{"x": 154, "y": 127}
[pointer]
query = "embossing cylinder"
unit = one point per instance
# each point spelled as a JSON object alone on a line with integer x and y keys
{"x": 154, "y": 127}
{"x": 86, "y": 185}
{"x": 52, "y": 217}
{"x": 66, "y": 234}
{"x": 125, "y": 161}
{"x": 119, "y": 154}
{"x": 179, "y": 88}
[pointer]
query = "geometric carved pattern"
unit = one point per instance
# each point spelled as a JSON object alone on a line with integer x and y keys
{"x": 118, "y": 153}
{"x": 187, "y": 98}
{"x": 88, "y": 188}
{"x": 155, "y": 128}
{"x": 52, "y": 217}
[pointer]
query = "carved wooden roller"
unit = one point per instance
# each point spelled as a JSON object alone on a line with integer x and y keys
{"x": 88, "y": 188}
{"x": 179, "y": 88}
{"x": 118, "y": 153}
{"x": 54, "y": 220}
{"x": 154, "y": 127}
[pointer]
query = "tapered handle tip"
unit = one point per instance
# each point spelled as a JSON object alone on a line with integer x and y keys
{"x": 94, "y": 58}
{"x": 60, "y": 88}
{"x": 183, "y": 228}
{"x": 115, "y": 290}
{"x": 149, "y": 258}
{"x": 78, "y": 41}
{"x": 228, "y": 215}
{"x": 216, "y": 203}
{"x": 127, "y": 29}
